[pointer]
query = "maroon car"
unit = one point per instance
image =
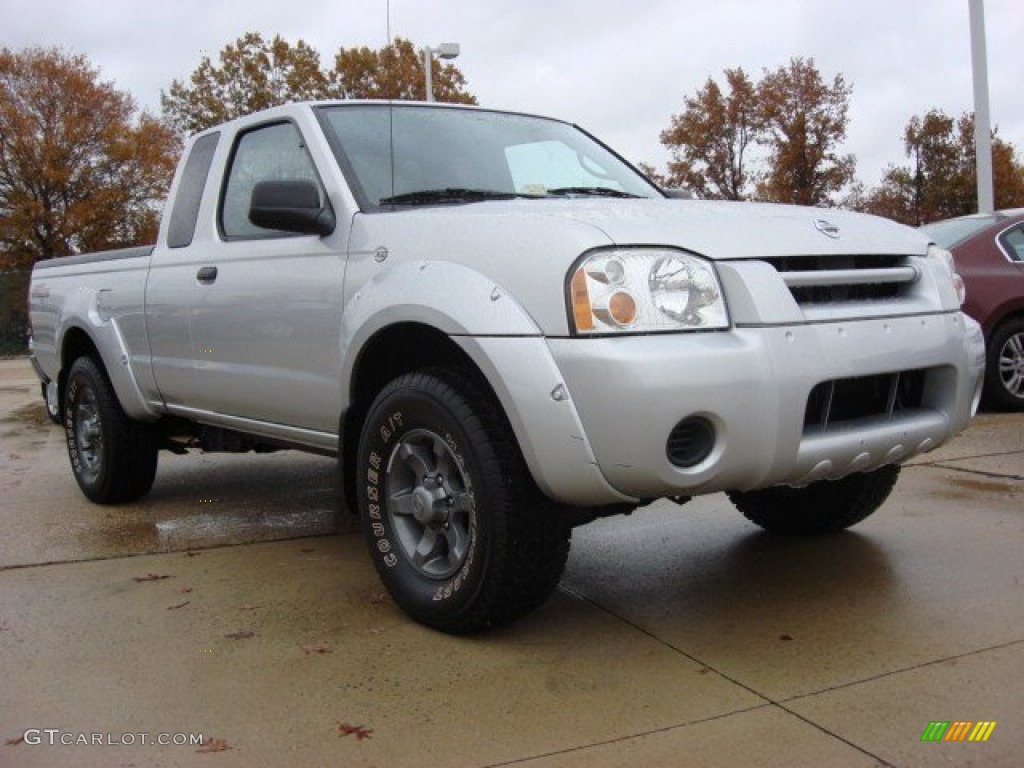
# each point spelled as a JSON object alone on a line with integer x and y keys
{"x": 989, "y": 253}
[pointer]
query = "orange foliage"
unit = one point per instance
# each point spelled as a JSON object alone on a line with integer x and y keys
{"x": 78, "y": 170}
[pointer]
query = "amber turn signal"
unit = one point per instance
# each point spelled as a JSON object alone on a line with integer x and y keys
{"x": 622, "y": 308}
{"x": 581, "y": 312}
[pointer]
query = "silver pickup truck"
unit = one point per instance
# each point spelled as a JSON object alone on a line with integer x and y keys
{"x": 502, "y": 330}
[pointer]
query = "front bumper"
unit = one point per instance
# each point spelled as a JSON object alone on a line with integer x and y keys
{"x": 752, "y": 385}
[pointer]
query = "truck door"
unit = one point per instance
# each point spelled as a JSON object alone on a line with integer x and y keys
{"x": 266, "y": 307}
{"x": 171, "y": 284}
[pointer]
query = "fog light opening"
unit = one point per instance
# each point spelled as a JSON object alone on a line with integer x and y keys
{"x": 690, "y": 442}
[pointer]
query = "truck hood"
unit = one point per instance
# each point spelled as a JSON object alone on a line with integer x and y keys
{"x": 722, "y": 230}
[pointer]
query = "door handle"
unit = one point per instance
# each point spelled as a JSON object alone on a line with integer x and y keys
{"x": 207, "y": 275}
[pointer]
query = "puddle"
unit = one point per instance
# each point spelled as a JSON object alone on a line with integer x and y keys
{"x": 205, "y": 530}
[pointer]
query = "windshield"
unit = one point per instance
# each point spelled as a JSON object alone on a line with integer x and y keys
{"x": 443, "y": 155}
{"x": 952, "y": 231}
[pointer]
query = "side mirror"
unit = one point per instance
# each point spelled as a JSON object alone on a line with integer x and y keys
{"x": 291, "y": 206}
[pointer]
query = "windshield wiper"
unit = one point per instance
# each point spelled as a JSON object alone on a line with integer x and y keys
{"x": 594, "y": 191}
{"x": 449, "y": 195}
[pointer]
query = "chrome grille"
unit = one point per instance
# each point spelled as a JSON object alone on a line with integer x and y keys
{"x": 835, "y": 279}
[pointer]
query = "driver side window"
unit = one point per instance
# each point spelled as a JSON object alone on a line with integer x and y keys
{"x": 269, "y": 153}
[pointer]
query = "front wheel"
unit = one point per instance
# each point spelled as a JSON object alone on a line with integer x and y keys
{"x": 457, "y": 529}
{"x": 112, "y": 456}
{"x": 826, "y": 506}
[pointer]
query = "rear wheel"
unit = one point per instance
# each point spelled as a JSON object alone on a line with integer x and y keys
{"x": 826, "y": 506}
{"x": 458, "y": 531}
{"x": 112, "y": 456}
{"x": 1004, "y": 370}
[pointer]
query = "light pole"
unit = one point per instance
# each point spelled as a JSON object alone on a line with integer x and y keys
{"x": 982, "y": 121}
{"x": 443, "y": 51}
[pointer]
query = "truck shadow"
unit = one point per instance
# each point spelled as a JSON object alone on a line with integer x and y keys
{"x": 722, "y": 576}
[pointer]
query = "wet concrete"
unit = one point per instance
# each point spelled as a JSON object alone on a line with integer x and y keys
{"x": 237, "y": 601}
{"x": 198, "y": 500}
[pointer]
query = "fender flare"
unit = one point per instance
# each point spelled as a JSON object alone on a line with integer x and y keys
{"x": 506, "y": 346}
{"x": 85, "y": 313}
{"x": 449, "y": 297}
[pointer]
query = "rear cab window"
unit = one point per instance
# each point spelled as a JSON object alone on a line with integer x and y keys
{"x": 189, "y": 195}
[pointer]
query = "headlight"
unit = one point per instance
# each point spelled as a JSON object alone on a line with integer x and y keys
{"x": 944, "y": 256}
{"x": 643, "y": 290}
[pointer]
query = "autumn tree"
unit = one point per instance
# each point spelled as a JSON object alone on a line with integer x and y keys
{"x": 779, "y": 135}
{"x": 939, "y": 176}
{"x": 887, "y": 200}
{"x": 659, "y": 178}
{"x": 80, "y": 170}
{"x": 1007, "y": 173}
{"x": 805, "y": 121}
{"x": 941, "y": 180}
{"x": 710, "y": 139}
{"x": 253, "y": 74}
{"x": 396, "y": 71}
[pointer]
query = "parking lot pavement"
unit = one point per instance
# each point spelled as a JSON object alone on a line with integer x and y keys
{"x": 237, "y": 602}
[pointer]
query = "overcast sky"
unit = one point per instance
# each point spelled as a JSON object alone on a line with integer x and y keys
{"x": 620, "y": 68}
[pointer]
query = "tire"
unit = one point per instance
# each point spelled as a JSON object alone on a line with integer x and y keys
{"x": 112, "y": 456}
{"x": 827, "y": 506}
{"x": 1004, "y": 367}
{"x": 460, "y": 534}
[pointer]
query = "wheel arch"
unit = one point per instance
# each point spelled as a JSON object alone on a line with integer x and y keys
{"x": 523, "y": 381}
{"x": 425, "y": 314}
{"x": 76, "y": 342}
{"x": 391, "y": 351}
{"x": 1016, "y": 314}
{"x": 404, "y": 319}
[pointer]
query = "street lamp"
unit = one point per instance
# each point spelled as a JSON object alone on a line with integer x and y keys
{"x": 443, "y": 51}
{"x": 982, "y": 121}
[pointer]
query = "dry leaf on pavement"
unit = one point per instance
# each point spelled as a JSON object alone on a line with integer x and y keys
{"x": 214, "y": 745}
{"x": 151, "y": 577}
{"x": 316, "y": 648}
{"x": 359, "y": 731}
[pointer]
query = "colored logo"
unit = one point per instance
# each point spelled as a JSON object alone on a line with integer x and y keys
{"x": 958, "y": 730}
